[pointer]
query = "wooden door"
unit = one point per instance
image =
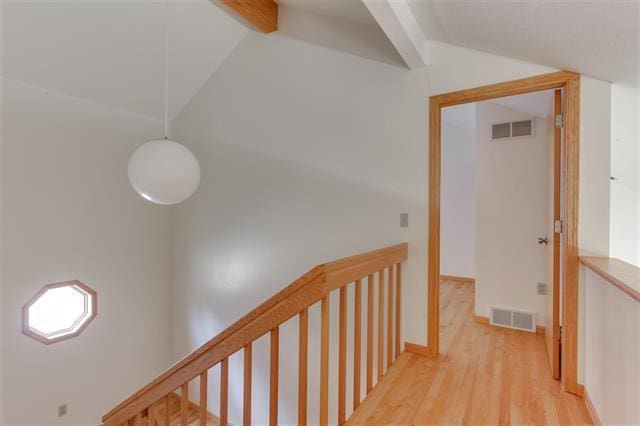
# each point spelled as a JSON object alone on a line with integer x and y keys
{"x": 552, "y": 317}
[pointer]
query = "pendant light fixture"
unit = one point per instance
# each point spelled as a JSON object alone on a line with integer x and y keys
{"x": 163, "y": 171}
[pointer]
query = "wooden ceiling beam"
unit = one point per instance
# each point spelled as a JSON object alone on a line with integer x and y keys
{"x": 262, "y": 14}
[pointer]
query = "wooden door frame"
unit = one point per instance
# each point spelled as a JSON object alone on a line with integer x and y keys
{"x": 555, "y": 332}
{"x": 570, "y": 82}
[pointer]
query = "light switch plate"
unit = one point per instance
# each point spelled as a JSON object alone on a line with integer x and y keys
{"x": 404, "y": 220}
{"x": 542, "y": 288}
{"x": 62, "y": 410}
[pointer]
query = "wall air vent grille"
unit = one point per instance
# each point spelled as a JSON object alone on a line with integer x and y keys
{"x": 511, "y": 130}
{"x": 511, "y": 318}
{"x": 501, "y": 131}
{"x": 521, "y": 128}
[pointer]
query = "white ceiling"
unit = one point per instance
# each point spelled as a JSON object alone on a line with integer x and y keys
{"x": 536, "y": 104}
{"x": 596, "y": 38}
{"x": 352, "y": 10}
{"x": 599, "y": 38}
{"x": 462, "y": 116}
{"x": 113, "y": 52}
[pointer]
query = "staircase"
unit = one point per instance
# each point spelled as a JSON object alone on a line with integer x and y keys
{"x": 166, "y": 401}
{"x": 169, "y": 413}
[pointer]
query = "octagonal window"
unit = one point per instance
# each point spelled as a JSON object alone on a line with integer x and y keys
{"x": 59, "y": 311}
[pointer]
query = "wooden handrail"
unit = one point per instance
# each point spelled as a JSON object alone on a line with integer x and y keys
{"x": 310, "y": 288}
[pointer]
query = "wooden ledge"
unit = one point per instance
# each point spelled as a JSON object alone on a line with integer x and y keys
{"x": 621, "y": 274}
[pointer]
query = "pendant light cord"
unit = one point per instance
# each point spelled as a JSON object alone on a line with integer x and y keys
{"x": 166, "y": 71}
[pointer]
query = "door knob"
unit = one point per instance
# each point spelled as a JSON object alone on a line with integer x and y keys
{"x": 544, "y": 240}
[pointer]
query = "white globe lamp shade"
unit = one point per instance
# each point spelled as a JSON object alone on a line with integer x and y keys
{"x": 164, "y": 172}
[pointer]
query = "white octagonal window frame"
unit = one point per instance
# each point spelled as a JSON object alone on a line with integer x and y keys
{"x": 59, "y": 311}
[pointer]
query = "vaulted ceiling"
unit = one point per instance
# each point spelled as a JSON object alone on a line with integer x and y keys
{"x": 599, "y": 38}
{"x": 113, "y": 52}
{"x": 351, "y": 10}
{"x": 596, "y": 38}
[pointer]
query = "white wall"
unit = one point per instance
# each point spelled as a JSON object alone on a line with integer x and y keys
{"x": 612, "y": 345}
{"x": 282, "y": 119}
{"x": 511, "y": 191}
{"x": 258, "y": 220}
{"x": 595, "y": 171}
{"x": 313, "y": 106}
{"x": 625, "y": 223}
{"x": 595, "y": 168}
{"x": 255, "y": 225}
{"x": 68, "y": 212}
{"x": 625, "y": 134}
{"x": 458, "y": 199}
{"x": 625, "y": 163}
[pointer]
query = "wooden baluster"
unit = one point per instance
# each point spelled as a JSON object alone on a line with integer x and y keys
{"x": 184, "y": 405}
{"x": 246, "y": 404}
{"x": 152, "y": 415}
{"x": 302, "y": 366}
{"x": 369, "y": 333}
{"x": 167, "y": 409}
{"x": 224, "y": 392}
{"x": 342, "y": 356}
{"x": 273, "y": 377}
{"x": 380, "y": 322}
{"x": 203, "y": 398}
{"x": 398, "y": 302}
{"x": 324, "y": 361}
{"x": 357, "y": 341}
{"x": 390, "y": 318}
{"x": 138, "y": 419}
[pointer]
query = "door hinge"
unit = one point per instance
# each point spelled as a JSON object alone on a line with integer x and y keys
{"x": 559, "y": 120}
{"x": 558, "y": 333}
{"x": 558, "y": 226}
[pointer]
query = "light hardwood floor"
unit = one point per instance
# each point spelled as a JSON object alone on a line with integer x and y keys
{"x": 484, "y": 376}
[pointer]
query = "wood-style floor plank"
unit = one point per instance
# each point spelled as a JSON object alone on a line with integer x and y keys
{"x": 484, "y": 375}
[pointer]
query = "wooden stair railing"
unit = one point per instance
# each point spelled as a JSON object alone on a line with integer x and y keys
{"x": 315, "y": 286}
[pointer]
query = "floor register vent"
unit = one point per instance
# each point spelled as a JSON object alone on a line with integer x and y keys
{"x": 511, "y": 318}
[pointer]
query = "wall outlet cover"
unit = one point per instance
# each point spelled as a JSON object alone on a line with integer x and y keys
{"x": 542, "y": 288}
{"x": 404, "y": 220}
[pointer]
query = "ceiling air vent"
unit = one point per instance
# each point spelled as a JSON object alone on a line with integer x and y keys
{"x": 513, "y": 129}
{"x": 511, "y": 318}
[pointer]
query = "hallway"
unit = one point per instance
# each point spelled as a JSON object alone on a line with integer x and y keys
{"x": 484, "y": 375}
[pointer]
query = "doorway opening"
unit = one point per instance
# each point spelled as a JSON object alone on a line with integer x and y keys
{"x": 564, "y": 202}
